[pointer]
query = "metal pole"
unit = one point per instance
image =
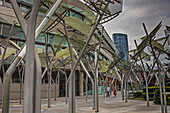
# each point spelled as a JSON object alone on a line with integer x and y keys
{"x": 87, "y": 73}
{"x": 20, "y": 94}
{"x": 49, "y": 87}
{"x": 103, "y": 89}
{"x": 48, "y": 73}
{"x": 66, "y": 87}
{"x": 72, "y": 80}
{"x": 5, "y": 103}
{"x": 165, "y": 73}
{"x": 86, "y": 87}
{"x": 111, "y": 86}
{"x": 31, "y": 83}
{"x": 160, "y": 88}
{"x": 52, "y": 58}
{"x": 6, "y": 45}
{"x": 0, "y": 92}
{"x": 125, "y": 88}
{"x": 131, "y": 83}
{"x": 96, "y": 80}
{"x": 122, "y": 83}
{"x": 55, "y": 95}
{"x": 160, "y": 83}
{"x": 1, "y": 32}
{"x": 58, "y": 82}
{"x": 138, "y": 81}
{"x": 23, "y": 73}
{"x": 164, "y": 91}
{"x": 93, "y": 93}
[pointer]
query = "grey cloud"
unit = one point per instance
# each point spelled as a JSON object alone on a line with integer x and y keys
{"x": 136, "y": 12}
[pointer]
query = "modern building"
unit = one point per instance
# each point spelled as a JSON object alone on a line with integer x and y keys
{"x": 121, "y": 42}
{"x": 73, "y": 8}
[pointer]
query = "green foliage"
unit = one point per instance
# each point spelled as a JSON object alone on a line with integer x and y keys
{"x": 157, "y": 100}
{"x": 137, "y": 98}
{"x": 167, "y": 81}
{"x": 152, "y": 91}
{"x": 138, "y": 94}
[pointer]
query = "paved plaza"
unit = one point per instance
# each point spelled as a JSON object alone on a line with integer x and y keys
{"x": 107, "y": 105}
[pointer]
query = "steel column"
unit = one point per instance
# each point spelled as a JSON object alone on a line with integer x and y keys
{"x": 125, "y": 88}
{"x": 20, "y": 78}
{"x": 55, "y": 90}
{"x": 1, "y": 31}
{"x": 103, "y": 89}
{"x": 32, "y": 96}
{"x": 87, "y": 75}
{"x": 66, "y": 87}
{"x": 0, "y": 92}
{"x": 72, "y": 80}
{"x": 86, "y": 87}
{"x": 96, "y": 81}
{"x": 49, "y": 87}
{"x": 122, "y": 84}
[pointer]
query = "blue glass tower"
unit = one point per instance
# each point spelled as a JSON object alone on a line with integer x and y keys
{"x": 121, "y": 42}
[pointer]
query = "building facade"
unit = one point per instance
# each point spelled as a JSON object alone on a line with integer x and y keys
{"x": 73, "y": 8}
{"x": 121, "y": 42}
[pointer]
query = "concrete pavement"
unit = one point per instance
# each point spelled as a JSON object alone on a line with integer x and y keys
{"x": 107, "y": 105}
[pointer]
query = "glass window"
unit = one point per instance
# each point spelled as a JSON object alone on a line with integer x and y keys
{"x": 40, "y": 38}
{"x": 76, "y": 14}
{"x": 40, "y": 46}
{"x": 51, "y": 38}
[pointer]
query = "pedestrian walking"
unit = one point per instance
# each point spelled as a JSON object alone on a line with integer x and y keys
{"x": 108, "y": 91}
{"x": 115, "y": 92}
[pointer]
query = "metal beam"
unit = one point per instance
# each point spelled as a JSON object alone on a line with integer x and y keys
{"x": 96, "y": 80}
{"x": 19, "y": 16}
{"x": 111, "y": 59}
{"x": 85, "y": 46}
{"x": 145, "y": 76}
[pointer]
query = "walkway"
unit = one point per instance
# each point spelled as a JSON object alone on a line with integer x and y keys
{"x": 107, "y": 105}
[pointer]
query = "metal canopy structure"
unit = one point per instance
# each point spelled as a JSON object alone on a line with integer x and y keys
{"x": 72, "y": 38}
{"x": 64, "y": 35}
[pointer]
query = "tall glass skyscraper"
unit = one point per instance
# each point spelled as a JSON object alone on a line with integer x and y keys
{"x": 121, "y": 43}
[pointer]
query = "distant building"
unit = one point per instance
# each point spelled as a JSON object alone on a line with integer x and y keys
{"x": 121, "y": 43}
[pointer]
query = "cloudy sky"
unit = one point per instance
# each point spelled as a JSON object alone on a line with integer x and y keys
{"x": 136, "y": 12}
